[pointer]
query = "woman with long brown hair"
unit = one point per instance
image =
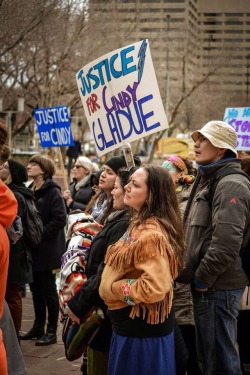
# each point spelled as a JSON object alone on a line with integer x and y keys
{"x": 137, "y": 281}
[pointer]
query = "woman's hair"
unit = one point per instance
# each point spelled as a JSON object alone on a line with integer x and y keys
{"x": 189, "y": 165}
{"x": 245, "y": 164}
{"x": 86, "y": 163}
{"x": 124, "y": 173}
{"x": 162, "y": 203}
{"x": 46, "y": 164}
{"x": 191, "y": 170}
{"x": 4, "y": 153}
{"x": 3, "y": 132}
{"x": 4, "y": 149}
{"x": 101, "y": 196}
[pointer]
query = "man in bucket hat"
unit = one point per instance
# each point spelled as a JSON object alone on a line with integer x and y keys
{"x": 215, "y": 229}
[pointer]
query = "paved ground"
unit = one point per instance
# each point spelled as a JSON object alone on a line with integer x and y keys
{"x": 44, "y": 360}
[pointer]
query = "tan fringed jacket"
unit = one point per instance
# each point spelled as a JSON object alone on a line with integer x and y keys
{"x": 139, "y": 271}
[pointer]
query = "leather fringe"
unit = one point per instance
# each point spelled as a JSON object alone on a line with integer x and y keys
{"x": 127, "y": 252}
{"x": 156, "y": 312}
{"x": 122, "y": 255}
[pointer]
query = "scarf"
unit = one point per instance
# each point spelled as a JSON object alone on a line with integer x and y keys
{"x": 175, "y": 163}
{"x": 82, "y": 182}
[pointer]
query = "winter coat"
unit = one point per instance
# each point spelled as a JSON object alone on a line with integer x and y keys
{"x": 183, "y": 303}
{"x": 20, "y": 261}
{"x": 215, "y": 235}
{"x": 75, "y": 150}
{"x": 15, "y": 360}
{"x": 50, "y": 204}
{"x": 8, "y": 211}
{"x": 88, "y": 295}
{"x": 80, "y": 197}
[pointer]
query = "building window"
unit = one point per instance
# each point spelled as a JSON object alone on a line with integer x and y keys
{"x": 212, "y": 23}
{"x": 234, "y": 14}
{"x": 212, "y": 14}
{"x": 174, "y": 10}
{"x": 233, "y": 31}
{"x": 233, "y": 23}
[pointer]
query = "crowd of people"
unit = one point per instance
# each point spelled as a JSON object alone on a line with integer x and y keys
{"x": 165, "y": 268}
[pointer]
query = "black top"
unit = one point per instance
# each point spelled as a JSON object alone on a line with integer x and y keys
{"x": 88, "y": 294}
{"x": 123, "y": 325}
{"x": 74, "y": 151}
{"x": 50, "y": 204}
{"x": 80, "y": 197}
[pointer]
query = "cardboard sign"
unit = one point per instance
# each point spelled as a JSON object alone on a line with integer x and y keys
{"x": 239, "y": 118}
{"x": 53, "y": 126}
{"x": 121, "y": 98}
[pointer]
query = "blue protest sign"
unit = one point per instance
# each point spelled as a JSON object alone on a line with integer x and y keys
{"x": 53, "y": 126}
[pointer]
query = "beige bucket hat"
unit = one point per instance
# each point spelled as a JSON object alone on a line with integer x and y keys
{"x": 219, "y": 133}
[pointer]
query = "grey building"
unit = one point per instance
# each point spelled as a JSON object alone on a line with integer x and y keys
{"x": 188, "y": 35}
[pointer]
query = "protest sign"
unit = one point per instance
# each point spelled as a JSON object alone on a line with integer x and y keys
{"x": 239, "y": 118}
{"x": 53, "y": 126}
{"x": 121, "y": 98}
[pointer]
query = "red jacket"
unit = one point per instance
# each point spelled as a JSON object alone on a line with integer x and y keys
{"x": 8, "y": 211}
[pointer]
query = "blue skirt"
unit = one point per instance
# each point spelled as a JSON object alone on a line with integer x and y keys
{"x": 142, "y": 356}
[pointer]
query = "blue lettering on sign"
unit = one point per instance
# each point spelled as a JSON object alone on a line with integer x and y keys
{"x": 243, "y": 141}
{"x": 115, "y": 73}
{"x": 246, "y": 112}
{"x": 122, "y": 100}
{"x": 231, "y": 113}
{"x": 116, "y": 124}
{"x": 141, "y": 62}
{"x": 53, "y": 125}
{"x": 105, "y": 70}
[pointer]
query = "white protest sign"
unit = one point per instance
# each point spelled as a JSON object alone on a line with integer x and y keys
{"x": 121, "y": 98}
{"x": 239, "y": 118}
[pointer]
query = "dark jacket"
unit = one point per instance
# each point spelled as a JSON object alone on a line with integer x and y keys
{"x": 214, "y": 235}
{"x": 80, "y": 197}
{"x": 88, "y": 295}
{"x": 20, "y": 263}
{"x": 183, "y": 303}
{"x": 74, "y": 151}
{"x": 51, "y": 206}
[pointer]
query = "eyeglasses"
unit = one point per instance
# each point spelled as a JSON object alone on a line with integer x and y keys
{"x": 78, "y": 166}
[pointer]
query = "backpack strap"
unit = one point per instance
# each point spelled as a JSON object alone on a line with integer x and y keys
{"x": 213, "y": 182}
{"x": 190, "y": 200}
{"x": 22, "y": 198}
